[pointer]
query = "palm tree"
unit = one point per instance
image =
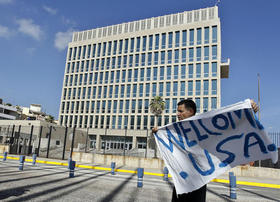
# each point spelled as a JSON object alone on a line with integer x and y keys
{"x": 156, "y": 106}
{"x": 49, "y": 118}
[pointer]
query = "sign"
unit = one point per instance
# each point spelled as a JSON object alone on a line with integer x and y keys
{"x": 200, "y": 148}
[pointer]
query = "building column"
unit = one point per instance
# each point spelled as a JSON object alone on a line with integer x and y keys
{"x": 98, "y": 142}
{"x": 134, "y": 142}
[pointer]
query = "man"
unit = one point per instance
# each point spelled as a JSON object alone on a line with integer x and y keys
{"x": 186, "y": 109}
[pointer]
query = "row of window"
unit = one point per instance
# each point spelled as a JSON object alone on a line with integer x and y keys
{"x": 129, "y": 121}
{"x": 127, "y": 90}
{"x": 155, "y": 58}
{"x": 122, "y": 106}
{"x": 155, "y": 73}
{"x": 143, "y": 43}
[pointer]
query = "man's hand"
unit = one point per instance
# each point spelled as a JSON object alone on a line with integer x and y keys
{"x": 254, "y": 106}
{"x": 155, "y": 129}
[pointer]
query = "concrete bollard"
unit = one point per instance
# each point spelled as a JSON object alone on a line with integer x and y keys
{"x": 69, "y": 160}
{"x": 140, "y": 174}
{"x": 232, "y": 186}
{"x": 72, "y": 165}
{"x": 5, "y": 156}
{"x": 113, "y": 166}
{"x": 21, "y": 162}
{"x": 34, "y": 156}
{"x": 165, "y": 172}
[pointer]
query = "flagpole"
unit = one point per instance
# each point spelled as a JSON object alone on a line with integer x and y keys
{"x": 259, "y": 105}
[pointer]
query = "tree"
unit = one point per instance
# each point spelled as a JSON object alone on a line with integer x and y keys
{"x": 49, "y": 119}
{"x": 156, "y": 106}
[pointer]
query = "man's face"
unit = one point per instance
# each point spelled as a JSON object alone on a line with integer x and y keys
{"x": 183, "y": 113}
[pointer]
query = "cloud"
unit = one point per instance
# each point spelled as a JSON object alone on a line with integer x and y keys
{"x": 6, "y": 1}
{"x": 62, "y": 39}
{"x": 50, "y": 10}
{"x": 4, "y": 32}
{"x": 26, "y": 26}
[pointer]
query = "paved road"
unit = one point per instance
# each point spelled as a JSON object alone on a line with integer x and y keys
{"x": 51, "y": 183}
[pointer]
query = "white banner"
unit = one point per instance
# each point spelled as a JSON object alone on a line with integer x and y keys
{"x": 200, "y": 148}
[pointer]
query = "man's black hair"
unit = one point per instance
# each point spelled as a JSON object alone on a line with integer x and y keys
{"x": 189, "y": 104}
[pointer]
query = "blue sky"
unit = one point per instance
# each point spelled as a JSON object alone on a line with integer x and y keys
{"x": 34, "y": 36}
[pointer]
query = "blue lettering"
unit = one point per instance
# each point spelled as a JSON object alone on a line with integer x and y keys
{"x": 215, "y": 122}
{"x": 200, "y": 137}
{"x": 207, "y": 172}
{"x": 206, "y": 129}
{"x": 238, "y": 113}
{"x": 260, "y": 126}
{"x": 258, "y": 141}
{"x": 231, "y": 120}
{"x": 250, "y": 118}
{"x": 231, "y": 156}
{"x": 185, "y": 131}
{"x": 170, "y": 145}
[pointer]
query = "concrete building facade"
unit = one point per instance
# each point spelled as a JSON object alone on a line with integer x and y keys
{"x": 112, "y": 73}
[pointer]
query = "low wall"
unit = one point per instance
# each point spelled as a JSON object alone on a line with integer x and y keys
{"x": 130, "y": 161}
{"x": 4, "y": 148}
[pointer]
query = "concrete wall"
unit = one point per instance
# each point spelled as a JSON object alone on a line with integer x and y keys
{"x": 245, "y": 171}
{"x": 4, "y": 148}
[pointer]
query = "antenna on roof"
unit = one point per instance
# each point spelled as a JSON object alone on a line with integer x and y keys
{"x": 217, "y": 2}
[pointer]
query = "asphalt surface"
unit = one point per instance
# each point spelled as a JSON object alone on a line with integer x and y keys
{"x": 42, "y": 182}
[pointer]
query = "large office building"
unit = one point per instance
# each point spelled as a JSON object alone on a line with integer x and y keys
{"x": 112, "y": 73}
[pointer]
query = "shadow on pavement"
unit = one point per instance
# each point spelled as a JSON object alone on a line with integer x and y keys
{"x": 113, "y": 193}
{"x": 221, "y": 196}
{"x": 263, "y": 196}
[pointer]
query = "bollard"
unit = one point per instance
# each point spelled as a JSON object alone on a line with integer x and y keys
{"x": 5, "y": 156}
{"x": 140, "y": 174}
{"x": 165, "y": 172}
{"x": 232, "y": 185}
{"x": 72, "y": 165}
{"x": 113, "y": 166}
{"x": 34, "y": 156}
{"x": 69, "y": 160}
{"x": 21, "y": 162}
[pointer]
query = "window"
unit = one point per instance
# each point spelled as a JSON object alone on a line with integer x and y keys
{"x": 205, "y": 87}
{"x": 127, "y": 106}
{"x": 135, "y": 74}
{"x": 161, "y": 89}
{"x": 168, "y": 88}
{"x": 132, "y": 45}
{"x": 168, "y": 75}
{"x": 198, "y": 36}
{"x": 177, "y": 39}
{"x": 205, "y": 104}
{"x": 109, "y": 106}
{"x": 140, "y": 106}
{"x": 115, "y": 106}
{"x": 197, "y": 102}
{"x": 129, "y": 75}
{"x": 149, "y": 58}
{"x": 167, "y": 105}
{"x": 105, "y": 92}
{"x": 120, "y": 46}
{"x": 198, "y": 70}
{"x": 140, "y": 90}
{"x": 214, "y": 52}
{"x": 175, "y": 88}
{"x": 133, "y": 106}
{"x": 128, "y": 89}
{"x": 143, "y": 59}
{"x": 154, "y": 89}
{"x": 148, "y": 74}
{"x": 123, "y": 75}
{"x": 177, "y": 55}
{"x": 175, "y": 73}
{"x": 174, "y": 106}
{"x": 183, "y": 89}
{"x": 163, "y": 40}
{"x": 206, "y": 35}
{"x": 155, "y": 73}
{"x": 214, "y": 34}
{"x": 170, "y": 39}
{"x": 190, "y": 70}
{"x": 184, "y": 38}
{"x": 162, "y": 57}
{"x": 104, "y": 48}
{"x": 214, "y": 87}
{"x": 118, "y": 76}
{"x": 157, "y": 41}
{"x": 109, "y": 48}
{"x": 146, "y": 106}
{"x": 150, "y": 42}
{"x": 206, "y": 69}
{"x": 190, "y": 88}
{"x": 122, "y": 91}
{"x": 121, "y": 106}
{"x": 155, "y": 58}
{"x": 147, "y": 89}
{"x": 161, "y": 73}
{"x": 124, "y": 60}
{"x": 169, "y": 57}
{"x": 138, "y": 44}
{"x": 94, "y": 92}
{"x": 198, "y": 53}
{"x": 119, "y": 61}
{"x": 191, "y": 37}
{"x": 130, "y": 60}
{"x": 125, "y": 45}
{"x": 184, "y": 54}
{"x": 111, "y": 92}
{"x": 197, "y": 87}
{"x": 183, "y": 71}
{"x": 142, "y": 72}
{"x": 116, "y": 91}
{"x": 206, "y": 52}
{"x": 98, "y": 49}
{"x": 214, "y": 69}
{"x": 191, "y": 54}
{"x": 144, "y": 42}
{"x": 213, "y": 103}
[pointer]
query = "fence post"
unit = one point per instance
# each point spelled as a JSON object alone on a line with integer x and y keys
{"x": 72, "y": 168}
{"x": 30, "y": 139}
{"x": 72, "y": 144}
{"x": 34, "y": 156}
{"x": 113, "y": 166}
{"x": 232, "y": 185}
{"x": 140, "y": 174}
{"x": 49, "y": 141}
{"x": 86, "y": 141}
{"x": 5, "y": 156}
{"x": 64, "y": 145}
{"x": 39, "y": 143}
{"x": 21, "y": 162}
{"x": 165, "y": 172}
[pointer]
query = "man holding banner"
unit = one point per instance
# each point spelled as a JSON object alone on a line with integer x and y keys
{"x": 199, "y": 148}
